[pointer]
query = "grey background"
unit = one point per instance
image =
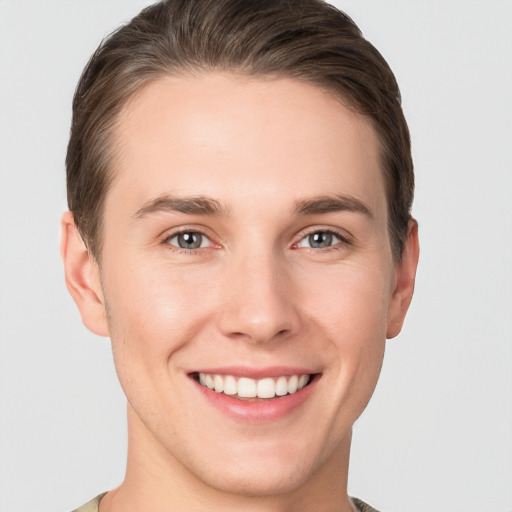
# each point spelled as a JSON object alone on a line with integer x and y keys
{"x": 438, "y": 433}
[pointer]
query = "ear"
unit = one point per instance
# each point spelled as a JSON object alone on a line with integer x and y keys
{"x": 83, "y": 277}
{"x": 405, "y": 275}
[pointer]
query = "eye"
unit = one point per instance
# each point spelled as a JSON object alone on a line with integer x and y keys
{"x": 189, "y": 240}
{"x": 320, "y": 240}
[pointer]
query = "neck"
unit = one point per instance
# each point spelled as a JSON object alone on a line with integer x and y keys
{"x": 157, "y": 481}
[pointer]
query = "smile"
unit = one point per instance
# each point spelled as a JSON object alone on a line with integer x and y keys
{"x": 247, "y": 388}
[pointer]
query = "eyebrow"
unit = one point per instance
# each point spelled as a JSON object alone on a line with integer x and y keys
{"x": 193, "y": 205}
{"x": 202, "y": 205}
{"x": 329, "y": 204}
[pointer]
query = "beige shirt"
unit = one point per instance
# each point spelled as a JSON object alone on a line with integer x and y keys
{"x": 93, "y": 505}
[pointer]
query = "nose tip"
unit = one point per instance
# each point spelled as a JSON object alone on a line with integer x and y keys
{"x": 258, "y": 305}
{"x": 258, "y": 327}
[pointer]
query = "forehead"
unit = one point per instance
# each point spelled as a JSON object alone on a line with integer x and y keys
{"x": 243, "y": 139}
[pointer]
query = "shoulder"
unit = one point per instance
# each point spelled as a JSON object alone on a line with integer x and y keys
{"x": 362, "y": 506}
{"x": 91, "y": 506}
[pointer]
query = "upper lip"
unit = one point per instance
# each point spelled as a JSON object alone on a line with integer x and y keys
{"x": 256, "y": 373}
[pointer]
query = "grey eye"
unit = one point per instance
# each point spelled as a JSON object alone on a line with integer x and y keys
{"x": 189, "y": 240}
{"x": 320, "y": 240}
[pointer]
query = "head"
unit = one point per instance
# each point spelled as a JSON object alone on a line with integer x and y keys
{"x": 309, "y": 41}
{"x": 240, "y": 172}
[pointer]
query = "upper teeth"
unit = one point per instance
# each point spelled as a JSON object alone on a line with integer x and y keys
{"x": 251, "y": 388}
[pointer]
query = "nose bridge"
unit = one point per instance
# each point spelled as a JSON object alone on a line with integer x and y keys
{"x": 258, "y": 301}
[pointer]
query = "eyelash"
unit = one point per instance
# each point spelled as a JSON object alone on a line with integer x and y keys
{"x": 342, "y": 236}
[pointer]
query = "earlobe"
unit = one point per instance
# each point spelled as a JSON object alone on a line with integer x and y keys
{"x": 82, "y": 277}
{"x": 404, "y": 282}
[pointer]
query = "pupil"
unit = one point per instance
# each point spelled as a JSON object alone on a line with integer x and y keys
{"x": 189, "y": 240}
{"x": 320, "y": 240}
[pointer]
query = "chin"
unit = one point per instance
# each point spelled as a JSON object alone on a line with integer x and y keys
{"x": 262, "y": 481}
{"x": 270, "y": 469}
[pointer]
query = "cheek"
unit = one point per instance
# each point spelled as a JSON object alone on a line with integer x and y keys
{"x": 151, "y": 315}
{"x": 349, "y": 307}
{"x": 152, "y": 311}
{"x": 350, "y": 301}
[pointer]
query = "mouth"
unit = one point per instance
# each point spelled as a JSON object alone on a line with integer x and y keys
{"x": 248, "y": 389}
{"x": 257, "y": 396}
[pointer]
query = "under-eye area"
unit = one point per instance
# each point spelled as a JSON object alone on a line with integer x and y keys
{"x": 245, "y": 388}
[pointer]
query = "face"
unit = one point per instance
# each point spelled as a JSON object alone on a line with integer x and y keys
{"x": 247, "y": 276}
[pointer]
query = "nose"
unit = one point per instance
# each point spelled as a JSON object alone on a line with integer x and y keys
{"x": 258, "y": 300}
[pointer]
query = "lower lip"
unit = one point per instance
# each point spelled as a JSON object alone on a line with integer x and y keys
{"x": 258, "y": 411}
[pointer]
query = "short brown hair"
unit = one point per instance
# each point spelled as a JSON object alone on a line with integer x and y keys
{"x": 308, "y": 40}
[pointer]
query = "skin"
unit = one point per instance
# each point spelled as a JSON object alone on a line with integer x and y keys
{"x": 256, "y": 294}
